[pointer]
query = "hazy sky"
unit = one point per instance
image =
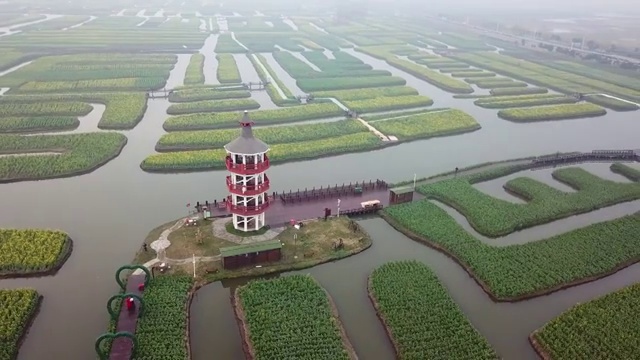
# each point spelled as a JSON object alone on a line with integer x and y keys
{"x": 623, "y": 6}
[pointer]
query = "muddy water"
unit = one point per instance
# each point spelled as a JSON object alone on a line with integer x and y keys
{"x": 249, "y": 74}
{"x": 505, "y": 325}
{"x": 109, "y": 211}
{"x": 210, "y": 62}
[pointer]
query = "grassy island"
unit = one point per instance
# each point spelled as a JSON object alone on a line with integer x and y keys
{"x": 32, "y": 252}
{"x": 18, "y": 308}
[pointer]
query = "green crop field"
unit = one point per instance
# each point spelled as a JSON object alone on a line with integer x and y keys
{"x": 291, "y": 318}
{"x": 388, "y": 103}
{"x": 227, "y": 120}
{"x": 538, "y": 74}
{"x": 303, "y": 142}
{"x": 212, "y": 105}
{"x": 199, "y": 94}
{"x": 27, "y": 252}
{"x": 123, "y": 110}
{"x": 429, "y": 124}
{"x": 69, "y": 154}
{"x": 216, "y": 139}
{"x": 535, "y": 268}
{"x": 194, "y": 73}
{"x": 503, "y": 102}
{"x": 494, "y": 217}
{"x": 603, "y": 328}
{"x": 162, "y": 331}
{"x": 227, "y": 71}
{"x": 552, "y": 112}
{"x": 343, "y": 83}
{"x": 423, "y": 320}
{"x": 433, "y": 77}
{"x": 17, "y": 308}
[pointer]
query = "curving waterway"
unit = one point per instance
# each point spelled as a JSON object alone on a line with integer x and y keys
{"x": 110, "y": 211}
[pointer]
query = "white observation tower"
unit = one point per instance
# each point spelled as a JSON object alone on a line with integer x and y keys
{"x": 248, "y": 184}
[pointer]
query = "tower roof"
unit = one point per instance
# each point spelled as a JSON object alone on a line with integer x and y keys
{"x": 246, "y": 143}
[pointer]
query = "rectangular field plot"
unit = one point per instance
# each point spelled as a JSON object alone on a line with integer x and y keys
{"x": 422, "y": 319}
{"x": 290, "y": 318}
{"x": 429, "y": 124}
{"x": 88, "y": 72}
{"x": 552, "y": 112}
{"x": 212, "y": 139}
{"x": 119, "y": 33}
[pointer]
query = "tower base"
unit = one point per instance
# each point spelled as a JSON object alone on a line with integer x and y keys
{"x": 248, "y": 223}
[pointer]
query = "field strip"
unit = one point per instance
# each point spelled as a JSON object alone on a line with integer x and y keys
{"x": 544, "y": 231}
{"x": 88, "y": 123}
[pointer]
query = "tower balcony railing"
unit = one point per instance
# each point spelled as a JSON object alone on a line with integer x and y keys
{"x": 247, "y": 169}
{"x": 249, "y": 189}
{"x": 246, "y": 210}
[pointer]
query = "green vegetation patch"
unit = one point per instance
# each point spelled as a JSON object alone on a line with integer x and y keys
{"x": 541, "y": 75}
{"x": 599, "y": 329}
{"x": 203, "y": 121}
{"x": 367, "y": 93}
{"x": 194, "y": 73}
{"x": 473, "y": 74}
{"x": 502, "y": 102}
{"x": 291, "y": 318}
{"x": 495, "y": 217}
{"x": 341, "y": 83}
{"x": 51, "y": 156}
{"x": 17, "y": 309}
{"x": 199, "y": 94}
{"x": 121, "y": 84}
{"x": 429, "y": 124}
{"x": 492, "y": 83}
{"x": 611, "y": 103}
{"x": 422, "y": 319}
{"x": 626, "y": 171}
{"x": 433, "y": 77}
{"x": 518, "y": 91}
{"x": 299, "y": 69}
{"x": 279, "y": 153}
{"x": 123, "y": 110}
{"x": 388, "y": 103}
{"x": 216, "y": 139}
{"x": 227, "y": 71}
{"x": 517, "y": 272}
{"x": 31, "y": 252}
{"x": 552, "y": 112}
{"x": 91, "y": 72}
{"x": 44, "y": 108}
{"x": 38, "y": 124}
{"x": 212, "y": 105}
{"x": 166, "y": 302}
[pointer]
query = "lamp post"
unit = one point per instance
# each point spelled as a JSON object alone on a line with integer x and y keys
{"x": 338, "y": 214}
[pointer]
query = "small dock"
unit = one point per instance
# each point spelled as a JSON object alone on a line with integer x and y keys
{"x": 122, "y": 348}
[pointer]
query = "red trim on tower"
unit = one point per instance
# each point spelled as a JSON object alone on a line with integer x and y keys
{"x": 248, "y": 190}
{"x": 247, "y": 169}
